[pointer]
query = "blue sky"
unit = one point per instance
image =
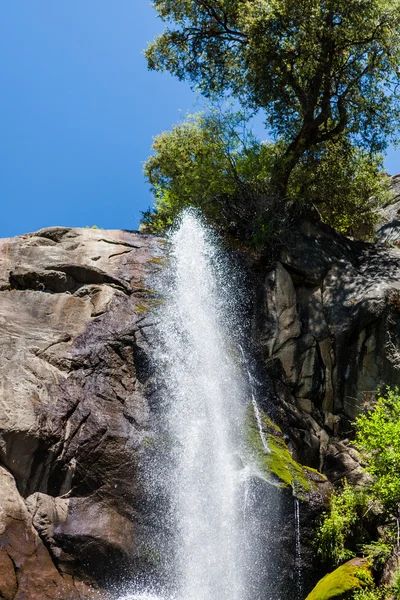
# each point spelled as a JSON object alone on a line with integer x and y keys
{"x": 78, "y": 111}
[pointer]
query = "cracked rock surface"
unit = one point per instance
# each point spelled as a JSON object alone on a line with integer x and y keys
{"x": 329, "y": 330}
{"x": 73, "y": 413}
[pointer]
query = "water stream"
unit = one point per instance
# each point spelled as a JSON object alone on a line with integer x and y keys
{"x": 205, "y": 413}
{"x": 298, "y": 567}
{"x": 254, "y": 403}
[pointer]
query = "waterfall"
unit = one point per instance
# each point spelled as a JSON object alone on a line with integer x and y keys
{"x": 204, "y": 394}
{"x": 216, "y": 518}
{"x": 205, "y": 412}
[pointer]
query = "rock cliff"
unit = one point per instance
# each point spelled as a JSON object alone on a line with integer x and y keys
{"x": 76, "y": 410}
{"x": 73, "y": 413}
{"x": 328, "y": 328}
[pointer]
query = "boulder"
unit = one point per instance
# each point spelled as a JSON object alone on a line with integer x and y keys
{"x": 27, "y": 567}
{"x": 353, "y": 575}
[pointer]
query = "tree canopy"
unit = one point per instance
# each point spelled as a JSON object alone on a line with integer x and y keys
{"x": 211, "y": 161}
{"x": 319, "y": 69}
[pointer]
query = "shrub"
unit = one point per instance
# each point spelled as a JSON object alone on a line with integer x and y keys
{"x": 345, "y": 511}
{"x": 378, "y": 439}
{"x": 378, "y": 551}
{"x": 371, "y": 594}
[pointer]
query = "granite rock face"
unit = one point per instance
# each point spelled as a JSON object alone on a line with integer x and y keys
{"x": 388, "y": 227}
{"x": 329, "y": 331}
{"x": 326, "y": 321}
{"x": 73, "y": 413}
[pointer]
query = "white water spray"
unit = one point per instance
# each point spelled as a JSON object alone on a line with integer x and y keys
{"x": 205, "y": 411}
{"x": 213, "y": 545}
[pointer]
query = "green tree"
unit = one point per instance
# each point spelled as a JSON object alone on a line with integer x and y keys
{"x": 319, "y": 69}
{"x": 213, "y": 162}
{"x": 346, "y": 185}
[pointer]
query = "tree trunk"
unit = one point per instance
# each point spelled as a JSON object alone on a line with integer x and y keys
{"x": 284, "y": 166}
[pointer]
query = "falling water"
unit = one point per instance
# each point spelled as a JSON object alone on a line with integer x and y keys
{"x": 216, "y": 511}
{"x": 298, "y": 568}
{"x": 205, "y": 407}
{"x": 254, "y": 403}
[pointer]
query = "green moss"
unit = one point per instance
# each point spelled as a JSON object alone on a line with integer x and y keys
{"x": 278, "y": 461}
{"x": 141, "y": 308}
{"x": 148, "y": 305}
{"x": 143, "y": 290}
{"x": 157, "y": 260}
{"x": 147, "y": 442}
{"x": 150, "y": 555}
{"x": 351, "y": 576}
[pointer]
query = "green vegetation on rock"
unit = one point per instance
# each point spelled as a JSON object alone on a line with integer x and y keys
{"x": 346, "y": 509}
{"x": 381, "y": 593}
{"x": 366, "y": 521}
{"x": 351, "y": 576}
{"x": 278, "y": 462}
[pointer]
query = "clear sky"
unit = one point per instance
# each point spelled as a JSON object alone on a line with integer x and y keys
{"x": 78, "y": 111}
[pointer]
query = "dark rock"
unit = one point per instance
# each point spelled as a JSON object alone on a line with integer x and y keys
{"x": 55, "y": 234}
{"x": 328, "y": 312}
{"x": 343, "y": 462}
{"x": 388, "y": 229}
{"x": 391, "y": 568}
